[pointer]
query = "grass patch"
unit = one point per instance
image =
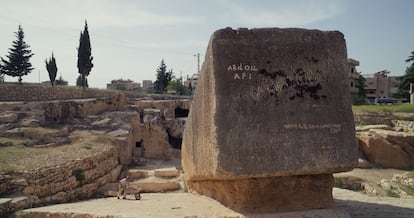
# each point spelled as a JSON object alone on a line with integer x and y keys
{"x": 391, "y": 193}
{"x": 339, "y": 183}
{"x": 406, "y": 108}
{"x": 87, "y": 146}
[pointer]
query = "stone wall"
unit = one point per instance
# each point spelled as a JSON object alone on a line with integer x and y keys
{"x": 31, "y": 92}
{"x": 78, "y": 179}
{"x": 162, "y": 126}
{"x": 373, "y": 118}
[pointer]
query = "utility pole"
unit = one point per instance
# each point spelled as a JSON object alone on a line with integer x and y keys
{"x": 198, "y": 62}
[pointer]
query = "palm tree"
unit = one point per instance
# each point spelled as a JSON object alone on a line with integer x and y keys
{"x": 410, "y": 58}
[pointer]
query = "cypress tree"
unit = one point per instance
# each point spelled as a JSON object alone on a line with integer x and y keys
{"x": 51, "y": 69}
{"x": 84, "y": 56}
{"x": 18, "y": 63}
{"x": 163, "y": 78}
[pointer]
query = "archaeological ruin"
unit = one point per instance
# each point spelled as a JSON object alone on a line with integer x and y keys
{"x": 271, "y": 120}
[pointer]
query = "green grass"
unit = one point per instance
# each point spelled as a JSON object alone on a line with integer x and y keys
{"x": 87, "y": 146}
{"x": 339, "y": 183}
{"x": 391, "y": 193}
{"x": 406, "y": 108}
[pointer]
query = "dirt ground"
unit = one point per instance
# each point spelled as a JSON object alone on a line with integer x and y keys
{"x": 191, "y": 205}
{"x": 355, "y": 204}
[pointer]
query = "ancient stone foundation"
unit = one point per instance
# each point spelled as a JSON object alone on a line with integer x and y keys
{"x": 271, "y": 120}
{"x": 270, "y": 194}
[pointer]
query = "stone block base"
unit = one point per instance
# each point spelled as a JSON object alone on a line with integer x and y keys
{"x": 270, "y": 194}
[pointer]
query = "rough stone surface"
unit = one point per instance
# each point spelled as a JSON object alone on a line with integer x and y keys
{"x": 266, "y": 99}
{"x": 368, "y": 127}
{"x": 36, "y": 92}
{"x": 388, "y": 148}
{"x": 8, "y": 118}
{"x": 270, "y": 194}
{"x": 271, "y": 105}
{"x": 167, "y": 172}
{"x": 60, "y": 111}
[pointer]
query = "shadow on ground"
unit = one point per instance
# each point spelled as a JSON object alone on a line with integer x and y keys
{"x": 370, "y": 210}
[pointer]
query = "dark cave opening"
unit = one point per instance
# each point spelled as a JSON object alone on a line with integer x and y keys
{"x": 174, "y": 142}
{"x": 179, "y": 112}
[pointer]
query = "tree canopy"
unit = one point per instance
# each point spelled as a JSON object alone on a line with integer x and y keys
{"x": 18, "y": 63}
{"x": 163, "y": 78}
{"x": 406, "y": 79}
{"x": 51, "y": 69}
{"x": 1, "y": 74}
{"x": 178, "y": 87}
{"x": 85, "y": 58}
{"x": 359, "y": 98}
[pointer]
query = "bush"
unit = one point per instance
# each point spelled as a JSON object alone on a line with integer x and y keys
{"x": 79, "y": 174}
{"x": 358, "y": 100}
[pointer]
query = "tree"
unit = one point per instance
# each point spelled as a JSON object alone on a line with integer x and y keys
{"x": 18, "y": 63}
{"x": 82, "y": 81}
{"x": 61, "y": 81}
{"x": 163, "y": 78}
{"x": 406, "y": 79}
{"x": 410, "y": 58}
{"x": 51, "y": 69}
{"x": 359, "y": 98}
{"x": 1, "y": 74}
{"x": 84, "y": 56}
{"x": 178, "y": 87}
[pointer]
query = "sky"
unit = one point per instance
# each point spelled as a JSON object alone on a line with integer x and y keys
{"x": 129, "y": 38}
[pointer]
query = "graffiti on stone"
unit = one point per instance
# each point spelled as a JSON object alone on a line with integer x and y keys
{"x": 296, "y": 84}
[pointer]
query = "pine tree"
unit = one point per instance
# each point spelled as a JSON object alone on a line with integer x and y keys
{"x": 18, "y": 63}
{"x": 84, "y": 56}
{"x": 163, "y": 78}
{"x": 51, "y": 69}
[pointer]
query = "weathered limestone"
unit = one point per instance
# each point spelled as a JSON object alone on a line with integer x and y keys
{"x": 8, "y": 118}
{"x": 271, "y": 116}
{"x": 59, "y": 111}
{"x": 388, "y": 148}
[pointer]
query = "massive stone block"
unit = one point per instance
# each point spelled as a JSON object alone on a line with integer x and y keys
{"x": 270, "y": 103}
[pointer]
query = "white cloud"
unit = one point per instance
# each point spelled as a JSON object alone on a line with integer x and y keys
{"x": 72, "y": 13}
{"x": 298, "y": 13}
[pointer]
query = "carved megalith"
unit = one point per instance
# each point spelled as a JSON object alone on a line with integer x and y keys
{"x": 272, "y": 107}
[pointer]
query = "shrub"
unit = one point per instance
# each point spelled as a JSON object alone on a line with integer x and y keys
{"x": 79, "y": 174}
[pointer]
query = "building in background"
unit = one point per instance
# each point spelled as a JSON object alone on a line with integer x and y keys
{"x": 353, "y": 75}
{"x": 191, "y": 82}
{"x": 147, "y": 85}
{"x": 126, "y": 85}
{"x": 380, "y": 85}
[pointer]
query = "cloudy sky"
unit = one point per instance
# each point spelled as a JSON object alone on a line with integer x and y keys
{"x": 130, "y": 37}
